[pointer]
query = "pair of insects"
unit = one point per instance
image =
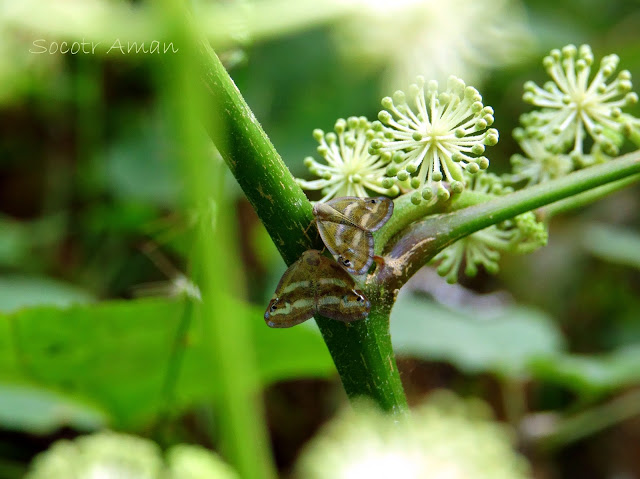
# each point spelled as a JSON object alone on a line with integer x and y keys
{"x": 316, "y": 284}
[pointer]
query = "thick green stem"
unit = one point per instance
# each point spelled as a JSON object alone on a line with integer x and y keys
{"x": 374, "y": 370}
{"x": 256, "y": 165}
{"x": 422, "y": 240}
{"x": 362, "y": 352}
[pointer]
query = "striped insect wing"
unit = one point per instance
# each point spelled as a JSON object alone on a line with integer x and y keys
{"x": 352, "y": 247}
{"x": 338, "y": 297}
{"x": 377, "y": 213}
{"x": 315, "y": 284}
{"x": 345, "y": 226}
{"x": 294, "y": 300}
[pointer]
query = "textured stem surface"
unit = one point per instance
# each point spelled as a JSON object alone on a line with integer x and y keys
{"x": 362, "y": 351}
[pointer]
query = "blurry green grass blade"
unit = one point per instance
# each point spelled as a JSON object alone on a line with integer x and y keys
{"x": 592, "y": 374}
{"x": 613, "y": 244}
{"x": 38, "y": 411}
{"x": 240, "y": 430}
{"x": 23, "y": 291}
{"x": 116, "y": 354}
{"x": 503, "y": 342}
{"x": 593, "y": 420}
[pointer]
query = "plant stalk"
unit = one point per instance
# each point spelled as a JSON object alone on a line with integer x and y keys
{"x": 422, "y": 240}
{"x": 362, "y": 352}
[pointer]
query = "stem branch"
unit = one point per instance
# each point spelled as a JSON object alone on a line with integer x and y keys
{"x": 421, "y": 241}
{"x": 362, "y": 352}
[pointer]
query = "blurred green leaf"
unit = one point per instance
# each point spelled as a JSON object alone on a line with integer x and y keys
{"x": 117, "y": 354}
{"x": 22, "y": 291}
{"x": 38, "y": 411}
{"x": 13, "y": 242}
{"x": 138, "y": 164}
{"x": 592, "y": 374}
{"x": 613, "y": 244}
{"x": 502, "y": 342}
{"x": 18, "y": 239}
{"x": 120, "y": 218}
{"x": 290, "y": 354}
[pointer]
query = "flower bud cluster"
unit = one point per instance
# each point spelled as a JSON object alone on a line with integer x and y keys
{"x": 350, "y": 168}
{"x": 434, "y": 136}
{"x": 579, "y": 120}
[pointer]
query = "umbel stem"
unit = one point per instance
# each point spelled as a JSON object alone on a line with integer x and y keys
{"x": 420, "y": 241}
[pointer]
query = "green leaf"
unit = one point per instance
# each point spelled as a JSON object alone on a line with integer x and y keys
{"x": 615, "y": 245}
{"x": 38, "y": 411}
{"x": 592, "y": 374}
{"x": 117, "y": 354}
{"x": 502, "y": 342}
{"x": 138, "y": 166}
{"x": 22, "y": 291}
{"x": 13, "y": 242}
{"x": 20, "y": 239}
{"x": 292, "y": 353}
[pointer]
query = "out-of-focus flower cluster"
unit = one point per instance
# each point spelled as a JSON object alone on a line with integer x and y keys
{"x": 110, "y": 455}
{"x": 433, "y": 38}
{"x": 446, "y": 437}
{"x": 579, "y": 121}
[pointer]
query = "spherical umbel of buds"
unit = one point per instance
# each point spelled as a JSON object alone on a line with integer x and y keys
{"x": 538, "y": 164}
{"x": 352, "y": 168}
{"x": 571, "y": 107}
{"x": 434, "y": 136}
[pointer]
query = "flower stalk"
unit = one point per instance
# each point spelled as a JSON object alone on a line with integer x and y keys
{"x": 362, "y": 352}
{"x": 420, "y": 241}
